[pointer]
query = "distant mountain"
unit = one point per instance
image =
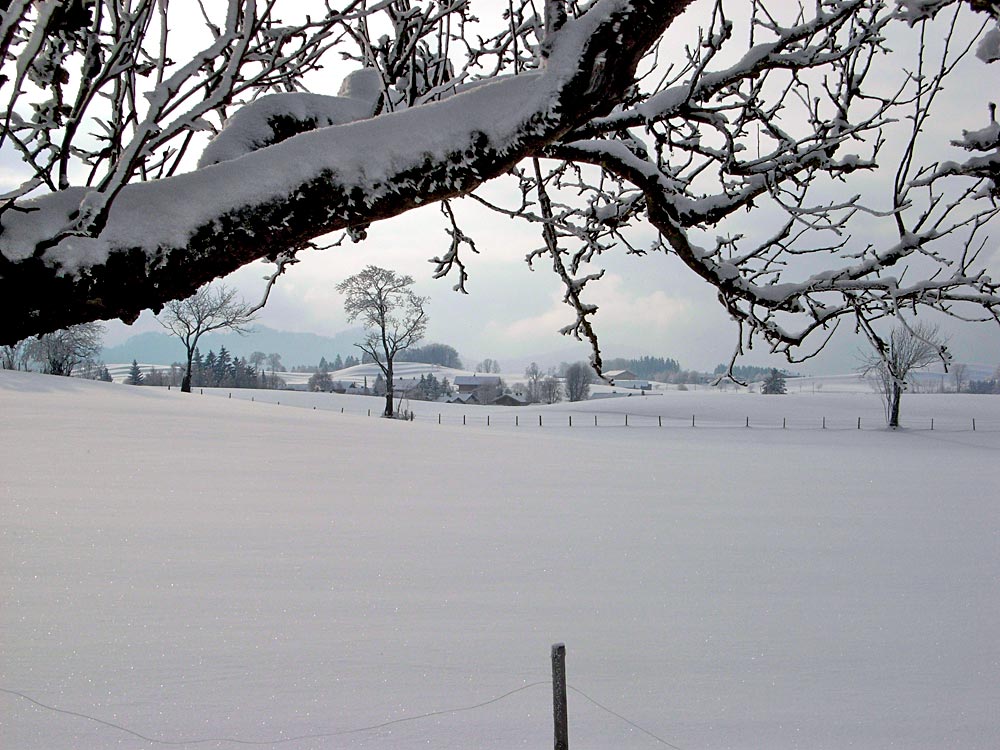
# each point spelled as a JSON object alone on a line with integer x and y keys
{"x": 294, "y": 348}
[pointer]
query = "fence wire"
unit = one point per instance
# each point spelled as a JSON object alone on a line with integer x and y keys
{"x": 326, "y": 735}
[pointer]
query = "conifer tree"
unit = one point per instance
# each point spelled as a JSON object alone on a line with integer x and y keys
{"x": 774, "y": 383}
{"x": 134, "y": 374}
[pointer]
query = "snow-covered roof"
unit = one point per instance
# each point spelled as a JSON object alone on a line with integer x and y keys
{"x": 478, "y": 379}
{"x": 614, "y": 374}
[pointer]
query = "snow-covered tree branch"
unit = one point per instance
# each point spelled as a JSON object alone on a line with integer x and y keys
{"x": 615, "y": 117}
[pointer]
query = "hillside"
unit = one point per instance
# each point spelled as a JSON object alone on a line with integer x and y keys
{"x": 295, "y": 348}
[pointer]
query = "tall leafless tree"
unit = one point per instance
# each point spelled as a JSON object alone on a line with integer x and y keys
{"x": 892, "y": 362}
{"x": 534, "y": 377}
{"x": 958, "y": 371}
{"x": 211, "y": 308}
{"x": 605, "y": 118}
{"x": 393, "y": 316}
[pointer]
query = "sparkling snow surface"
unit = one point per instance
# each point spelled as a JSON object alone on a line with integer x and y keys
{"x": 193, "y": 568}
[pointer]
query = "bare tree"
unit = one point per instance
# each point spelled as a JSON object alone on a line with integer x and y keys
{"x": 578, "y": 377}
{"x": 550, "y": 390}
{"x": 958, "y": 371}
{"x": 211, "y": 308}
{"x": 909, "y": 348}
{"x": 489, "y": 366}
{"x": 257, "y": 359}
{"x": 274, "y": 363}
{"x": 393, "y": 316}
{"x": 60, "y": 352}
{"x": 534, "y": 376}
{"x": 624, "y": 120}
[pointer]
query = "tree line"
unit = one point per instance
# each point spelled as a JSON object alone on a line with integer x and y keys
{"x": 215, "y": 370}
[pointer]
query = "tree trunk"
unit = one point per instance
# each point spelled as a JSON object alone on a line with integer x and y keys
{"x": 186, "y": 382}
{"x": 897, "y": 393}
{"x": 388, "y": 390}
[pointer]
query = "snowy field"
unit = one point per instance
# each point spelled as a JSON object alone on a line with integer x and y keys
{"x": 216, "y": 571}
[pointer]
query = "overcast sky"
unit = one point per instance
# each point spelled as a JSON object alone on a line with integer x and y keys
{"x": 650, "y": 305}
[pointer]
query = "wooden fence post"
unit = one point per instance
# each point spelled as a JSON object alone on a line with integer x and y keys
{"x": 559, "y": 711}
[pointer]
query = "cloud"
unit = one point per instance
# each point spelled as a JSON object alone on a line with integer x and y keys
{"x": 630, "y": 318}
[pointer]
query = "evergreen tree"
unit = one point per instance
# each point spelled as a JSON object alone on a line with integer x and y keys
{"x": 134, "y": 374}
{"x": 774, "y": 384}
{"x": 104, "y": 374}
{"x": 197, "y": 368}
{"x": 251, "y": 378}
{"x": 324, "y": 366}
{"x": 222, "y": 370}
{"x": 338, "y": 363}
{"x": 208, "y": 369}
{"x": 432, "y": 387}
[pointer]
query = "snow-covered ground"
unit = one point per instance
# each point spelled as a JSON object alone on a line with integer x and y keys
{"x": 193, "y": 568}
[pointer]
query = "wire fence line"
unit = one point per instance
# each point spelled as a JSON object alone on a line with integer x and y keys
{"x": 327, "y": 735}
{"x": 522, "y": 417}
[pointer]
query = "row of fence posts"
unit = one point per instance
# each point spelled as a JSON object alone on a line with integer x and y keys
{"x": 659, "y": 419}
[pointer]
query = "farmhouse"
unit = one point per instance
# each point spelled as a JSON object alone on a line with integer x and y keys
{"x": 404, "y": 385}
{"x": 460, "y": 398}
{"x": 508, "y": 399}
{"x": 470, "y": 383}
{"x": 616, "y": 375}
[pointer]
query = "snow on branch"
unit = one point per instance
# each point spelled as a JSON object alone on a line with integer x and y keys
{"x": 168, "y": 236}
{"x": 617, "y": 125}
